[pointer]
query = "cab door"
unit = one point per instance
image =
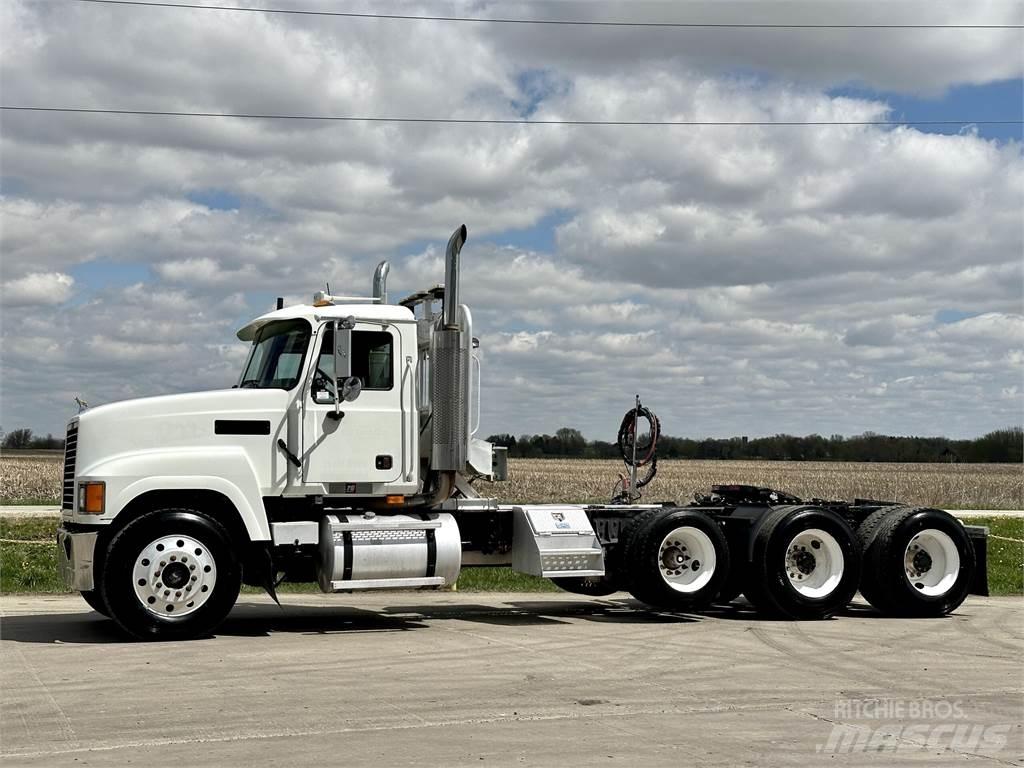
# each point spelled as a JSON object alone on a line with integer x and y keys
{"x": 366, "y": 444}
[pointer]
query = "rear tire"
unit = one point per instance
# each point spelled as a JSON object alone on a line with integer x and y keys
{"x": 171, "y": 574}
{"x": 677, "y": 559}
{"x": 592, "y": 586}
{"x": 805, "y": 564}
{"x": 917, "y": 562}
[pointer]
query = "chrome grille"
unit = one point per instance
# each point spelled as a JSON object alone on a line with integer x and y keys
{"x": 70, "y": 451}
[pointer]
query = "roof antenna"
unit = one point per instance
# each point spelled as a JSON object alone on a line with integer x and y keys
{"x": 328, "y": 288}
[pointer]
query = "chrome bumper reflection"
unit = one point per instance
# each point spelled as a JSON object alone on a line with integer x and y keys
{"x": 75, "y": 558}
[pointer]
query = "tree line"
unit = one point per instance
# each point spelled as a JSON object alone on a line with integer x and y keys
{"x": 1002, "y": 445}
{"x": 23, "y": 438}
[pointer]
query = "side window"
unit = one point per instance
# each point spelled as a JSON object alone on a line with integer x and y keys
{"x": 372, "y": 362}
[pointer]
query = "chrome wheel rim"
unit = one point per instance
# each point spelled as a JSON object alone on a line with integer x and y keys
{"x": 814, "y": 563}
{"x": 174, "y": 576}
{"x": 687, "y": 559}
{"x": 932, "y": 562}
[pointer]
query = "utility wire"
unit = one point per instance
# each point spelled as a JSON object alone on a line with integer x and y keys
{"x": 552, "y": 22}
{"x": 502, "y": 121}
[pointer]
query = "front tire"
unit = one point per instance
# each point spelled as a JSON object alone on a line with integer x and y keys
{"x": 171, "y": 574}
{"x": 95, "y": 601}
{"x": 805, "y": 563}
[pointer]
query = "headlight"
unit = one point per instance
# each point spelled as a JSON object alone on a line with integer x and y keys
{"x": 90, "y": 497}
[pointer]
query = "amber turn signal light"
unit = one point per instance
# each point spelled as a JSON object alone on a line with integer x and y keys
{"x": 90, "y": 498}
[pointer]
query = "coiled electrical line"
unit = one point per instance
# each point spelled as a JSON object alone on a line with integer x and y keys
{"x": 637, "y": 455}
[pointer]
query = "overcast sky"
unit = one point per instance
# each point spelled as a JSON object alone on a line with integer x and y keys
{"x": 743, "y": 280}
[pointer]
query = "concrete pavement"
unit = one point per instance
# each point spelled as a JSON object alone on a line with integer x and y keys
{"x": 433, "y": 679}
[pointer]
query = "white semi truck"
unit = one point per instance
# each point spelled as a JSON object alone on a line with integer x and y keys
{"x": 346, "y": 455}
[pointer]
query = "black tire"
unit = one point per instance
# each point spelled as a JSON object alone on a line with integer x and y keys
{"x": 777, "y": 552}
{"x": 867, "y": 527}
{"x": 615, "y": 564}
{"x": 592, "y": 586}
{"x": 212, "y": 548}
{"x": 669, "y": 572}
{"x": 95, "y": 601}
{"x": 886, "y": 583}
{"x": 733, "y": 586}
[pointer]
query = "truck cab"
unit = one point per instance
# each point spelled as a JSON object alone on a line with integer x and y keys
{"x": 348, "y": 403}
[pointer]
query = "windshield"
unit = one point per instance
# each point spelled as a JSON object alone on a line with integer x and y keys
{"x": 278, "y": 351}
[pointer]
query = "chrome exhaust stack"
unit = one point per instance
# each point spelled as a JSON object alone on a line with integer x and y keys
{"x": 449, "y": 379}
{"x": 451, "y": 277}
{"x": 380, "y": 282}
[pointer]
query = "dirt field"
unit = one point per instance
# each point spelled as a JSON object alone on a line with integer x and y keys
{"x": 36, "y": 479}
{"x": 955, "y": 486}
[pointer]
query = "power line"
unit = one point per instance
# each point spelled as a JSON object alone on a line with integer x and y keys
{"x": 551, "y": 22}
{"x": 502, "y": 121}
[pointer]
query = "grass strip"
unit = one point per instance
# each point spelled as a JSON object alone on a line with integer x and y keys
{"x": 28, "y": 565}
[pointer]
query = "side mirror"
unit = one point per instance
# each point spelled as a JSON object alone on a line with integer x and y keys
{"x": 350, "y": 388}
{"x": 343, "y": 348}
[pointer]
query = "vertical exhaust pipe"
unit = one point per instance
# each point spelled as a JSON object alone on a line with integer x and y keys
{"x": 380, "y": 282}
{"x": 449, "y": 372}
{"x": 451, "y": 277}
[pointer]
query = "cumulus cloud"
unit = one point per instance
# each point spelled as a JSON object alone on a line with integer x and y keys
{"x": 37, "y": 289}
{"x": 745, "y": 280}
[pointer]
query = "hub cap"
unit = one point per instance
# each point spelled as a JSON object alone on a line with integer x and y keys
{"x": 814, "y": 563}
{"x": 932, "y": 562}
{"x": 174, "y": 576}
{"x": 687, "y": 559}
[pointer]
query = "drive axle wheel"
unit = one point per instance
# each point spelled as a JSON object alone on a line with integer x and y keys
{"x": 677, "y": 559}
{"x": 918, "y": 562}
{"x": 171, "y": 574}
{"x": 592, "y": 586}
{"x": 805, "y": 563}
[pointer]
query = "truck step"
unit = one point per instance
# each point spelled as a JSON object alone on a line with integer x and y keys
{"x": 344, "y": 586}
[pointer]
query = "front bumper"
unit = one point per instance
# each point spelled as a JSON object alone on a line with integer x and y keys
{"x": 75, "y": 555}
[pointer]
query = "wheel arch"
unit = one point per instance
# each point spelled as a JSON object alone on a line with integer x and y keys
{"x": 214, "y": 504}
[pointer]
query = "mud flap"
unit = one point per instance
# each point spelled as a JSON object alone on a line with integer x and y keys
{"x": 978, "y": 536}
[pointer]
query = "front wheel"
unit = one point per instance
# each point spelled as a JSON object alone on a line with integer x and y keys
{"x": 93, "y": 598}
{"x": 170, "y": 574}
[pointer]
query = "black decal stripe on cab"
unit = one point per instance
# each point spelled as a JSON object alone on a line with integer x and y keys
{"x": 241, "y": 427}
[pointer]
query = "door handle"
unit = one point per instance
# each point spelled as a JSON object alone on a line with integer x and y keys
{"x": 291, "y": 456}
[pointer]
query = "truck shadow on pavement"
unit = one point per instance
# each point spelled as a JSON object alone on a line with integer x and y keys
{"x": 261, "y": 620}
{"x": 249, "y": 619}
